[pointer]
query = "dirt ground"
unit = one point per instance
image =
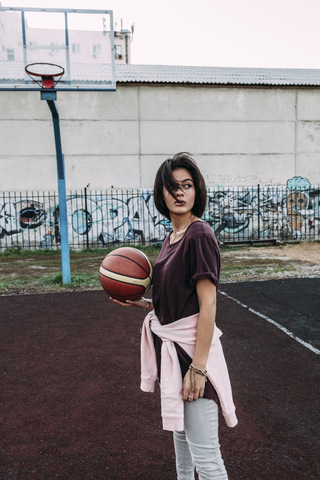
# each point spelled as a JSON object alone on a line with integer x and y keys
{"x": 299, "y": 260}
{"x": 304, "y": 252}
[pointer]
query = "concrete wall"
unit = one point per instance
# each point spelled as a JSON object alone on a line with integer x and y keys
{"x": 239, "y": 136}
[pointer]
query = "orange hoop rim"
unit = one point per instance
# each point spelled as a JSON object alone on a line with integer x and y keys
{"x": 46, "y": 74}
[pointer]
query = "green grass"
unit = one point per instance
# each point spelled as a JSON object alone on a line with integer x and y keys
{"x": 77, "y": 280}
{"x": 40, "y": 270}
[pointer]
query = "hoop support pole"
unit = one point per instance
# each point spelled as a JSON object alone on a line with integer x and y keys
{"x": 63, "y": 218}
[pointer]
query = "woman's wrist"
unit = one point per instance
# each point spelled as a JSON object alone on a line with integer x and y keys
{"x": 198, "y": 370}
{"x": 148, "y": 303}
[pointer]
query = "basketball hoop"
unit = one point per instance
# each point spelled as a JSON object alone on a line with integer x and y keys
{"x": 46, "y": 75}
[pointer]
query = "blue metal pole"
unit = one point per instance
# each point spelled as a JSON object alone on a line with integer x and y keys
{"x": 65, "y": 253}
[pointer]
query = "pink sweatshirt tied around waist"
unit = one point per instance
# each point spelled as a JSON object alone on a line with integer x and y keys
{"x": 183, "y": 332}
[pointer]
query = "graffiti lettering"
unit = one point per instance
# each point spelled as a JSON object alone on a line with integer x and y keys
{"x": 236, "y": 214}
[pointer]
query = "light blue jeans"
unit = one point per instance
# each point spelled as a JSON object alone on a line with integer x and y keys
{"x": 198, "y": 445}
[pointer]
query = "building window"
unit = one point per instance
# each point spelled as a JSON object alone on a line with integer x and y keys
{"x": 96, "y": 51}
{"x": 54, "y": 47}
{"x": 75, "y": 48}
{"x": 10, "y": 54}
{"x": 118, "y": 51}
{"x": 33, "y": 45}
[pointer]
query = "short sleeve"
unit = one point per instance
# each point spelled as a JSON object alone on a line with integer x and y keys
{"x": 205, "y": 259}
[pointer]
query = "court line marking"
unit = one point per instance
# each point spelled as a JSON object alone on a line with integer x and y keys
{"x": 273, "y": 322}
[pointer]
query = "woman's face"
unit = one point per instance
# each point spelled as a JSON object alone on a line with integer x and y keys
{"x": 185, "y": 194}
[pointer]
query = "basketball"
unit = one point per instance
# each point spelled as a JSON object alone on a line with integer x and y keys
{"x": 126, "y": 274}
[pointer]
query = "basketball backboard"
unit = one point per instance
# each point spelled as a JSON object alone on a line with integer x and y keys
{"x": 80, "y": 41}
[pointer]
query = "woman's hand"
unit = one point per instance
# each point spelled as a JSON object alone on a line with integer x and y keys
{"x": 141, "y": 303}
{"x": 193, "y": 386}
{"x": 194, "y": 383}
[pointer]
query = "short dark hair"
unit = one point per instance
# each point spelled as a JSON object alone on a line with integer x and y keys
{"x": 164, "y": 178}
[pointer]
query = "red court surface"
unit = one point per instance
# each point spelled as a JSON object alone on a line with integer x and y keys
{"x": 71, "y": 407}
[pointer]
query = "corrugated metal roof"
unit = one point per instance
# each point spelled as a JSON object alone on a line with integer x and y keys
{"x": 126, "y": 73}
{"x": 129, "y": 73}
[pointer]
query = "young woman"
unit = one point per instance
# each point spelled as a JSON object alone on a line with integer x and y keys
{"x": 180, "y": 343}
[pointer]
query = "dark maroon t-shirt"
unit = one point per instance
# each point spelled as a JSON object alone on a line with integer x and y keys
{"x": 176, "y": 272}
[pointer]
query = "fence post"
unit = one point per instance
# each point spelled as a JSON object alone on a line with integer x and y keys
{"x": 86, "y": 209}
{"x": 258, "y": 211}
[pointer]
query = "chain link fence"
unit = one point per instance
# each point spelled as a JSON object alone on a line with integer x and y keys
{"x": 30, "y": 220}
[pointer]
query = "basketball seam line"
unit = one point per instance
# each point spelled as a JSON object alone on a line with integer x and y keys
{"x": 120, "y": 275}
{"x": 124, "y": 282}
{"x": 131, "y": 260}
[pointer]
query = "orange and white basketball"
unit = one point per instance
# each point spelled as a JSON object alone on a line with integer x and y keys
{"x": 126, "y": 274}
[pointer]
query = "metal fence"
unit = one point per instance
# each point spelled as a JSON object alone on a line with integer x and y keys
{"x": 30, "y": 220}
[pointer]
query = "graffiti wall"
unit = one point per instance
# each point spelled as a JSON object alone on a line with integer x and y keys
{"x": 290, "y": 212}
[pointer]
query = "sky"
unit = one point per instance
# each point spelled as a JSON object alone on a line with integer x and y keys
{"x": 217, "y": 33}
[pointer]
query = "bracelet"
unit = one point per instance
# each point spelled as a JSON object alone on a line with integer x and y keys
{"x": 149, "y": 303}
{"x": 197, "y": 370}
